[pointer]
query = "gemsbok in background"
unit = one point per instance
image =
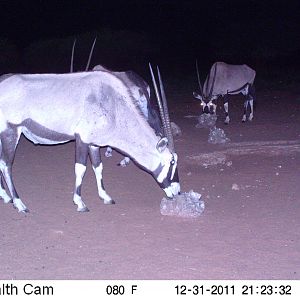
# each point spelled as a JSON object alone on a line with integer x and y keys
{"x": 224, "y": 80}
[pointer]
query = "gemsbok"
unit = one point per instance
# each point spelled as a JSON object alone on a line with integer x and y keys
{"x": 94, "y": 109}
{"x": 225, "y": 80}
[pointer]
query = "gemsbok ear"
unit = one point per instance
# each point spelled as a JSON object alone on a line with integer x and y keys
{"x": 162, "y": 144}
{"x": 197, "y": 96}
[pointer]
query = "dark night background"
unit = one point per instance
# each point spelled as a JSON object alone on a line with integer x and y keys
{"x": 37, "y": 36}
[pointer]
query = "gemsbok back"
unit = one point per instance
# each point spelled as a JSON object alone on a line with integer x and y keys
{"x": 93, "y": 108}
{"x": 225, "y": 80}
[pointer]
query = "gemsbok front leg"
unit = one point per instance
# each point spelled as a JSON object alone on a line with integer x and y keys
{"x": 81, "y": 155}
{"x": 8, "y": 143}
{"x": 97, "y": 165}
{"x": 227, "y": 119}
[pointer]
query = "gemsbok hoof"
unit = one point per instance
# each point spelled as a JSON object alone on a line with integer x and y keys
{"x": 124, "y": 162}
{"x": 110, "y": 202}
{"x": 24, "y": 211}
{"x": 83, "y": 209}
{"x": 108, "y": 152}
{"x": 7, "y": 200}
{"x": 19, "y": 205}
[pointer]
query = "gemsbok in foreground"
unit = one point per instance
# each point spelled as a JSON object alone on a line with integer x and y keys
{"x": 93, "y": 108}
{"x": 224, "y": 80}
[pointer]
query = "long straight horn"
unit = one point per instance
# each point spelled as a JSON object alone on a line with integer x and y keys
{"x": 72, "y": 56}
{"x": 90, "y": 56}
{"x": 160, "y": 107}
{"x": 213, "y": 82}
{"x": 198, "y": 76}
{"x": 166, "y": 113}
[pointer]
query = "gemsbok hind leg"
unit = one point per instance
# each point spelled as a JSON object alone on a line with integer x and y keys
{"x": 251, "y": 97}
{"x": 81, "y": 155}
{"x": 97, "y": 164}
{"x": 8, "y": 141}
{"x": 249, "y": 94}
{"x": 3, "y": 194}
{"x": 245, "y": 111}
{"x": 248, "y": 103}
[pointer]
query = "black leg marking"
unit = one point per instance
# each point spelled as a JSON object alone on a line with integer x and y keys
{"x": 94, "y": 153}
{"x": 82, "y": 149}
{"x": 252, "y": 92}
{"x": 81, "y": 154}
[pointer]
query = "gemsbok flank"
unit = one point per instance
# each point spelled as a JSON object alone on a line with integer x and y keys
{"x": 225, "y": 80}
{"x": 95, "y": 109}
{"x": 140, "y": 90}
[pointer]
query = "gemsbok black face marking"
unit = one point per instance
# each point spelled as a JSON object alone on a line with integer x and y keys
{"x": 224, "y": 80}
{"x": 94, "y": 109}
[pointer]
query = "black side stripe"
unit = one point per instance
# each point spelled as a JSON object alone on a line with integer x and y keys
{"x": 239, "y": 89}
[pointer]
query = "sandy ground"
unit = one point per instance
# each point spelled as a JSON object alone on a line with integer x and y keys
{"x": 249, "y": 229}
